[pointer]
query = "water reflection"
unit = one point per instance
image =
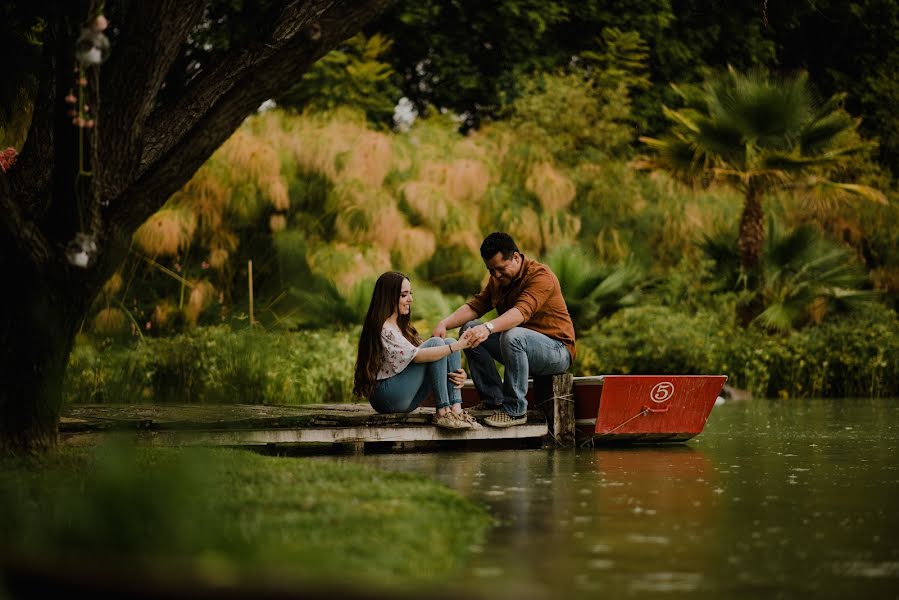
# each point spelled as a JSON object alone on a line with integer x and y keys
{"x": 773, "y": 499}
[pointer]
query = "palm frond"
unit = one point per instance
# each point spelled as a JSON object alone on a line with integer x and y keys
{"x": 821, "y": 133}
{"x": 681, "y": 117}
{"x": 854, "y": 189}
{"x": 793, "y": 162}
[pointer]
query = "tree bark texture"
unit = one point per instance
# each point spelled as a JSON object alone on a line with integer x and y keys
{"x": 749, "y": 242}
{"x": 145, "y": 147}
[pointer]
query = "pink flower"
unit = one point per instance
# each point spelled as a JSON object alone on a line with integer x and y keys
{"x": 8, "y": 158}
{"x": 204, "y": 265}
{"x": 149, "y": 325}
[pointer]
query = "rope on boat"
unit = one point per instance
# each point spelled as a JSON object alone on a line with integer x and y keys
{"x": 565, "y": 397}
{"x": 643, "y": 411}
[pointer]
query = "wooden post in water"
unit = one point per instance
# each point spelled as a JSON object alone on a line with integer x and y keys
{"x": 555, "y": 398}
{"x": 250, "y": 281}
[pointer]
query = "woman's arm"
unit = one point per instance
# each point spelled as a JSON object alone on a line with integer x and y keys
{"x": 430, "y": 354}
{"x": 461, "y": 316}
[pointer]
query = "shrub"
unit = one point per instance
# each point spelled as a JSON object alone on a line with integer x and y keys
{"x": 855, "y": 355}
{"x": 218, "y": 365}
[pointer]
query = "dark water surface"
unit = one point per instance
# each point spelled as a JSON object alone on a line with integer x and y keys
{"x": 775, "y": 499}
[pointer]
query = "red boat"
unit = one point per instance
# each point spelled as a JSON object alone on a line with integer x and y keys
{"x": 636, "y": 408}
{"x": 644, "y": 408}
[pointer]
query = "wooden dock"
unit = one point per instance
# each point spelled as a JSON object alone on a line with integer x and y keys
{"x": 349, "y": 425}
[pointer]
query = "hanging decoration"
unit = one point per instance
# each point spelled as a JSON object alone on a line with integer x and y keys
{"x": 92, "y": 47}
{"x": 91, "y": 50}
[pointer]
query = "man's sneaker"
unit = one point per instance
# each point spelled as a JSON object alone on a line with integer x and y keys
{"x": 502, "y": 419}
{"x": 450, "y": 421}
{"x": 468, "y": 418}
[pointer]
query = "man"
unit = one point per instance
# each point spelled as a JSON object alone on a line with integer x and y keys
{"x": 533, "y": 334}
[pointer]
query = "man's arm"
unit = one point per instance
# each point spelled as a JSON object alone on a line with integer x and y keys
{"x": 460, "y": 317}
{"x": 506, "y": 321}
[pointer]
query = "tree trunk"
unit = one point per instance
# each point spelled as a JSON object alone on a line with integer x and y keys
{"x": 37, "y": 330}
{"x": 750, "y": 241}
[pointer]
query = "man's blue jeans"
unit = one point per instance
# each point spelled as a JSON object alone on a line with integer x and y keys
{"x": 405, "y": 391}
{"x": 524, "y": 353}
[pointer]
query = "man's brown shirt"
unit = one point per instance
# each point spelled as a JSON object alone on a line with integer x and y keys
{"x": 537, "y": 295}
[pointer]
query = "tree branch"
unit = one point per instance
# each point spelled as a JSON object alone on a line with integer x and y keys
{"x": 151, "y": 36}
{"x": 170, "y": 122}
{"x": 205, "y": 118}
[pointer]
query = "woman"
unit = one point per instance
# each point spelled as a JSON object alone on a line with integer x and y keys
{"x": 396, "y": 371}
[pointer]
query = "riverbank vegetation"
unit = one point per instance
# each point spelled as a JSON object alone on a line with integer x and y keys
{"x": 220, "y": 517}
{"x": 323, "y": 201}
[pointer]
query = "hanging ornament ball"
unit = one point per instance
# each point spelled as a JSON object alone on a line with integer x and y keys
{"x": 99, "y": 24}
{"x": 92, "y": 48}
{"x": 82, "y": 250}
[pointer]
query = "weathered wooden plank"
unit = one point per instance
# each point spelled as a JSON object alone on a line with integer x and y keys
{"x": 238, "y": 417}
{"x": 320, "y": 435}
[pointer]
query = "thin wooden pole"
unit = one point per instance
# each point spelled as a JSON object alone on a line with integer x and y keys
{"x": 250, "y": 280}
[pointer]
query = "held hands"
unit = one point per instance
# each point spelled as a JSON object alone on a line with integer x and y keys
{"x": 476, "y": 335}
{"x": 463, "y": 342}
{"x": 457, "y": 378}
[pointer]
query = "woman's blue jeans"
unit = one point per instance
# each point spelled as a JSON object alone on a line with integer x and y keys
{"x": 405, "y": 391}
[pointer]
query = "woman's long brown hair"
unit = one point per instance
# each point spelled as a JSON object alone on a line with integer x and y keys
{"x": 384, "y": 300}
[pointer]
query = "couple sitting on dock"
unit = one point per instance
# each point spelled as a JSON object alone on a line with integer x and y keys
{"x": 533, "y": 335}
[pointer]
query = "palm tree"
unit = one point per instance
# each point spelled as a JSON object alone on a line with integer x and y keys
{"x": 758, "y": 133}
{"x": 806, "y": 277}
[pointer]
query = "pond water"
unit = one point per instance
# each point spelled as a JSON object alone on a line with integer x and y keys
{"x": 774, "y": 499}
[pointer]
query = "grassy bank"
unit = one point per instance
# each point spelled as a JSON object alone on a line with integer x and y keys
{"x": 233, "y": 514}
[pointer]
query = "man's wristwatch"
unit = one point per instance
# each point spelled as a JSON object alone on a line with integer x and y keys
{"x": 489, "y": 326}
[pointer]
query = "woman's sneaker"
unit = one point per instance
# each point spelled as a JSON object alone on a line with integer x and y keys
{"x": 468, "y": 418}
{"x": 450, "y": 421}
{"x": 503, "y": 419}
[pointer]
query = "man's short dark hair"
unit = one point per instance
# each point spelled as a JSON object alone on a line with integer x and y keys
{"x": 498, "y": 242}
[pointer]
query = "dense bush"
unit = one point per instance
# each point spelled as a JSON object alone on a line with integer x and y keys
{"x": 217, "y": 365}
{"x": 851, "y": 356}
{"x": 651, "y": 339}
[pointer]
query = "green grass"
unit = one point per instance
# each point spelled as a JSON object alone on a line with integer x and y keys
{"x": 236, "y": 513}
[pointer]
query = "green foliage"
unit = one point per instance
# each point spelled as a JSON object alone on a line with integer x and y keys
{"x": 455, "y": 268}
{"x": 227, "y": 515}
{"x": 313, "y": 299}
{"x": 651, "y": 340}
{"x": 353, "y": 75}
{"x": 468, "y": 55}
{"x": 593, "y": 291}
{"x": 836, "y": 359}
{"x": 217, "y": 365}
{"x": 584, "y": 113}
{"x": 572, "y": 117}
{"x": 620, "y": 60}
{"x": 806, "y": 277}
